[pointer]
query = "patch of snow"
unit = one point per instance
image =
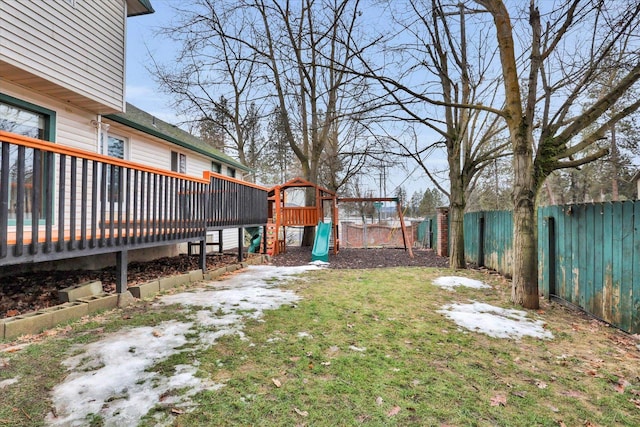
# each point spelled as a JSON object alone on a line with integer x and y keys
{"x": 114, "y": 377}
{"x": 304, "y": 335}
{"x": 319, "y": 263}
{"x": 450, "y": 282}
{"x": 111, "y": 377}
{"x": 359, "y": 349}
{"x": 495, "y": 321}
{"x": 8, "y": 382}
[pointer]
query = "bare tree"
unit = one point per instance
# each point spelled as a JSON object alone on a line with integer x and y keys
{"x": 440, "y": 82}
{"x": 290, "y": 55}
{"x": 564, "y": 51}
{"x": 213, "y": 77}
{"x": 307, "y": 48}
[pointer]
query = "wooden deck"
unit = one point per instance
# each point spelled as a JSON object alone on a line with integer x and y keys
{"x": 86, "y": 203}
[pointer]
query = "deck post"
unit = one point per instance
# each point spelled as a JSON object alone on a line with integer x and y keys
{"x": 202, "y": 257}
{"x": 121, "y": 271}
{"x": 265, "y": 242}
{"x": 240, "y": 243}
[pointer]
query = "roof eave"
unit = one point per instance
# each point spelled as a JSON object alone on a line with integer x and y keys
{"x": 139, "y": 7}
{"x": 172, "y": 140}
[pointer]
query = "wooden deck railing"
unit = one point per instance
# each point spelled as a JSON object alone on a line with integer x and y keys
{"x": 59, "y": 202}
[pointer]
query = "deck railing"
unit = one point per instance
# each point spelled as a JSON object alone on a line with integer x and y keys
{"x": 60, "y": 202}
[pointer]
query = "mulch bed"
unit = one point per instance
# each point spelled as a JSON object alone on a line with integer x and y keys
{"x": 28, "y": 292}
{"x": 364, "y": 258}
{"x": 33, "y": 291}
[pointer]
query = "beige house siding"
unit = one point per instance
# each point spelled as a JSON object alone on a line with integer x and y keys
{"x": 73, "y": 125}
{"x": 74, "y": 128}
{"x": 80, "y": 49}
{"x": 152, "y": 151}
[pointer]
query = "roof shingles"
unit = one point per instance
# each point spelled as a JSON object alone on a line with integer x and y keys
{"x": 151, "y": 125}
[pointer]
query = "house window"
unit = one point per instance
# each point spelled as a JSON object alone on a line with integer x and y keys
{"x": 178, "y": 162}
{"x": 231, "y": 172}
{"x": 24, "y": 118}
{"x": 116, "y": 146}
{"x": 216, "y": 167}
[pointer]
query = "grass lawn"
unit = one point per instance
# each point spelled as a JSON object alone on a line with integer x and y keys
{"x": 365, "y": 347}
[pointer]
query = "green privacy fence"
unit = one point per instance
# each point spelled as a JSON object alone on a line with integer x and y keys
{"x": 488, "y": 240}
{"x": 588, "y": 255}
{"x": 428, "y": 232}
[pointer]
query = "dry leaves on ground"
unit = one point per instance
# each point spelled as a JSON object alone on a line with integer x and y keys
{"x": 394, "y": 411}
{"x": 499, "y": 400}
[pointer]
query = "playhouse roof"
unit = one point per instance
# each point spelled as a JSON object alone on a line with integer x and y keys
{"x": 299, "y": 183}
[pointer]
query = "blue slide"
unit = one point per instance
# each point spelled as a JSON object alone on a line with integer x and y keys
{"x": 321, "y": 243}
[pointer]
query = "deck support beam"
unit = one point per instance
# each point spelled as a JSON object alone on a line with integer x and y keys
{"x": 202, "y": 259}
{"x": 240, "y": 243}
{"x": 264, "y": 240}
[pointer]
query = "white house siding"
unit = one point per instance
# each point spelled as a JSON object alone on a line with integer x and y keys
{"x": 73, "y": 125}
{"x": 79, "y": 48}
{"x": 156, "y": 152}
{"x": 230, "y": 239}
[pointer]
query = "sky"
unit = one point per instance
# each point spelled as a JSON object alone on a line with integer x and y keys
{"x": 114, "y": 376}
{"x": 143, "y": 92}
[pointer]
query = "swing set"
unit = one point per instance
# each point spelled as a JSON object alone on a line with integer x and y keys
{"x": 281, "y": 216}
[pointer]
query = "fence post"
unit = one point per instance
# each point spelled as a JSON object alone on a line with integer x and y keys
{"x": 442, "y": 243}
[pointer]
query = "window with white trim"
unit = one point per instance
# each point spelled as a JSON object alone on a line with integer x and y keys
{"x": 178, "y": 162}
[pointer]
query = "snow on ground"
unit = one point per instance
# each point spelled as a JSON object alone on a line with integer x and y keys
{"x": 495, "y": 321}
{"x": 449, "y": 282}
{"x": 114, "y": 377}
{"x": 8, "y": 382}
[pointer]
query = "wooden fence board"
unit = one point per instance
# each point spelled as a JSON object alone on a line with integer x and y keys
{"x": 598, "y": 261}
{"x": 579, "y": 273}
{"x": 607, "y": 262}
{"x": 635, "y": 306}
{"x": 616, "y": 270}
{"x": 562, "y": 254}
{"x": 589, "y": 260}
{"x": 574, "y": 283}
{"x": 626, "y": 280}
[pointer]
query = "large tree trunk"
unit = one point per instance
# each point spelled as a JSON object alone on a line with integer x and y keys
{"x": 309, "y": 233}
{"x": 456, "y": 236}
{"x": 456, "y": 223}
{"x": 524, "y": 289}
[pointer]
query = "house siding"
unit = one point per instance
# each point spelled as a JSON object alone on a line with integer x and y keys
{"x": 73, "y": 125}
{"x": 80, "y": 49}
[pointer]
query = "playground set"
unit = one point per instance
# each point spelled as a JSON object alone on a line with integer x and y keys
{"x": 280, "y": 216}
